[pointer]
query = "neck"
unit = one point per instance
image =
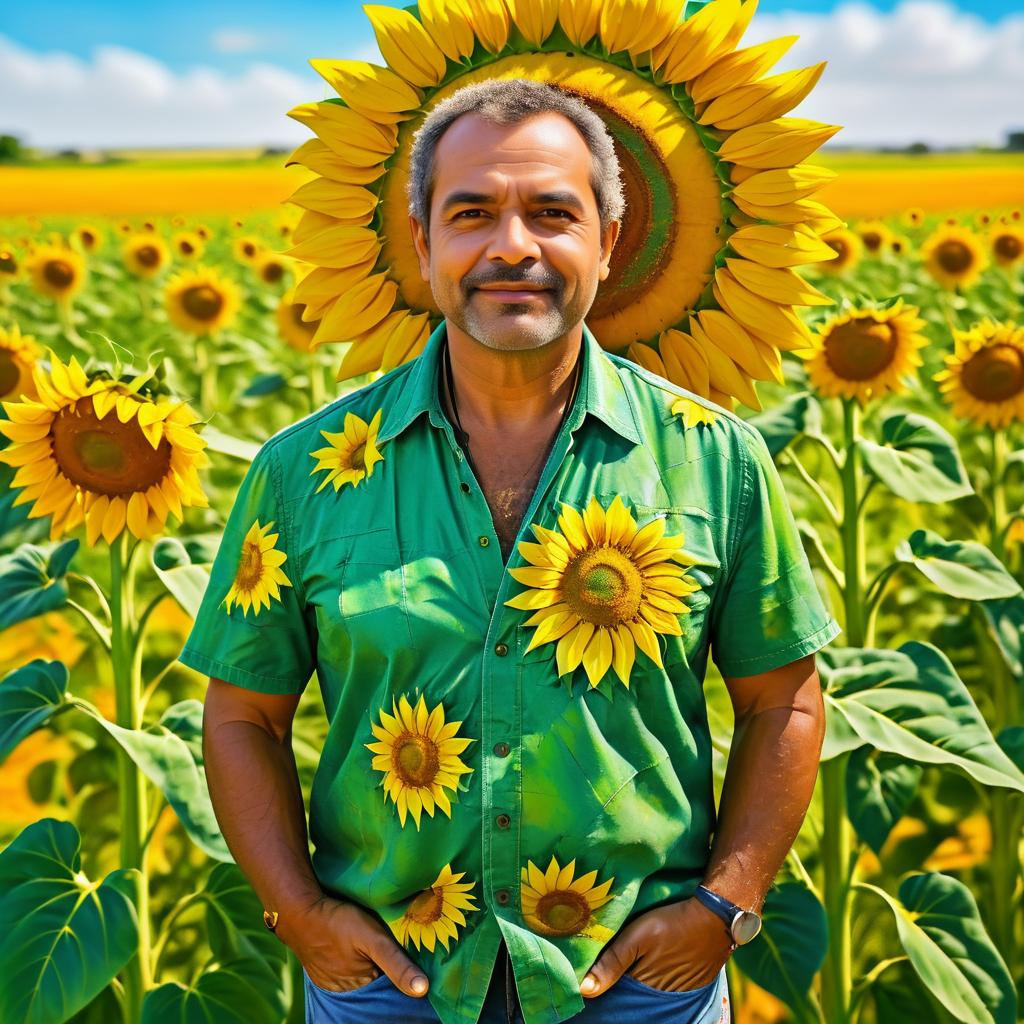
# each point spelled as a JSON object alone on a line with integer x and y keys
{"x": 507, "y": 390}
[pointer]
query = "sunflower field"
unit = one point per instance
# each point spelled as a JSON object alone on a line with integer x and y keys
{"x": 145, "y": 358}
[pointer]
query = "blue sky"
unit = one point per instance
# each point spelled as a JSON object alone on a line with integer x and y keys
{"x": 195, "y": 73}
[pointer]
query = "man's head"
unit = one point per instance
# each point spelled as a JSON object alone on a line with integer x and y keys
{"x": 514, "y": 183}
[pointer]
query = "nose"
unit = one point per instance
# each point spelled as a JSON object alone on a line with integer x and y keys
{"x": 511, "y": 240}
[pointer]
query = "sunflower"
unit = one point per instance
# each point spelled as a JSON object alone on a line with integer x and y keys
{"x": 418, "y": 752}
{"x": 848, "y": 248}
{"x": 555, "y": 905}
{"x": 259, "y": 571}
{"x": 79, "y": 462}
{"x": 204, "y": 232}
{"x": 271, "y": 268}
{"x": 9, "y": 268}
{"x": 602, "y": 587}
{"x": 145, "y": 254}
{"x": 876, "y": 236}
{"x": 88, "y": 237}
{"x": 57, "y": 271}
{"x": 865, "y": 353}
{"x": 352, "y": 452}
{"x": 693, "y": 414}
{"x": 954, "y": 256}
{"x": 188, "y": 245}
{"x": 201, "y": 301}
{"x": 984, "y": 376}
{"x": 913, "y": 217}
{"x": 434, "y": 914}
{"x": 1006, "y": 243}
{"x": 290, "y": 325}
{"x": 900, "y": 245}
{"x": 247, "y": 249}
{"x": 18, "y": 356}
{"x": 700, "y": 134}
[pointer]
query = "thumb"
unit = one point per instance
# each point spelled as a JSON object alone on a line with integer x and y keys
{"x": 406, "y": 975}
{"x": 606, "y": 970}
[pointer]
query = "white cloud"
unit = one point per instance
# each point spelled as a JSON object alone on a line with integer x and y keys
{"x": 925, "y": 71}
{"x": 237, "y": 40}
{"x": 124, "y": 98}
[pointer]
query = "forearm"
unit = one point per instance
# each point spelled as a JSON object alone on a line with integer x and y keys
{"x": 768, "y": 785}
{"x": 254, "y": 787}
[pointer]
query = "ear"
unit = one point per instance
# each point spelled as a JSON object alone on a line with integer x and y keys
{"x": 422, "y": 247}
{"x": 609, "y": 237}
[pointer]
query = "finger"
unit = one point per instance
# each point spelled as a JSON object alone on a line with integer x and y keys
{"x": 607, "y": 969}
{"x": 398, "y": 967}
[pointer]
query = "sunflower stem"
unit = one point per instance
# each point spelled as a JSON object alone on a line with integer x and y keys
{"x": 838, "y": 854}
{"x": 97, "y": 590}
{"x": 207, "y": 370}
{"x": 814, "y": 486}
{"x": 131, "y": 783}
{"x": 101, "y": 631}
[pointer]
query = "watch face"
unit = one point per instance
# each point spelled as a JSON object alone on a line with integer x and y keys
{"x": 745, "y": 927}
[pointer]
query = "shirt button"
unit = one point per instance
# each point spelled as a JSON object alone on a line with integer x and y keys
{"x": 502, "y": 896}
{"x": 503, "y": 821}
{"x": 484, "y": 541}
{"x": 501, "y": 749}
{"x": 465, "y": 487}
{"x": 501, "y": 650}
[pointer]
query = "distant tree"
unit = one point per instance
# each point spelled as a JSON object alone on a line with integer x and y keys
{"x": 69, "y": 154}
{"x": 1015, "y": 141}
{"x": 919, "y": 147}
{"x": 275, "y": 150}
{"x": 10, "y": 148}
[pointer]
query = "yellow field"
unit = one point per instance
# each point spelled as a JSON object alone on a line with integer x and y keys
{"x": 873, "y": 185}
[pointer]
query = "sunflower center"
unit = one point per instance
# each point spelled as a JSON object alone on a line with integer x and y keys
{"x": 873, "y": 240}
{"x": 954, "y": 257}
{"x": 1007, "y": 247}
{"x": 563, "y": 911}
{"x": 249, "y": 249}
{"x": 148, "y": 255}
{"x": 358, "y": 457}
{"x": 416, "y": 759}
{"x": 106, "y": 456}
{"x": 860, "y": 350}
{"x": 87, "y": 236}
{"x": 187, "y": 248}
{"x": 8, "y": 264}
{"x": 994, "y": 374}
{"x": 841, "y": 248}
{"x": 59, "y": 273}
{"x": 8, "y": 372}
{"x": 298, "y": 308}
{"x": 250, "y": 566}
{"x": 273, "y": 272}
{"x": 603, "y": 586}
{"x": 202, "y": 302}
{"x": 426, "y": 907}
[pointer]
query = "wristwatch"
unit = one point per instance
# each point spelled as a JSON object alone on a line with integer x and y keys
{"x": 270, "y": 919}
{"x": 743, "y": 925}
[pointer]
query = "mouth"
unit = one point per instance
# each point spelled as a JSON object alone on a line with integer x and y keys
{"x": 512, "y": 294}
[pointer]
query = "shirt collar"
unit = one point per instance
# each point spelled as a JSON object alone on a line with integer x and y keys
{"x": 601, "y": 392}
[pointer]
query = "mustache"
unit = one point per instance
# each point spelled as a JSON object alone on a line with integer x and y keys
{"x": 538, "y": 277}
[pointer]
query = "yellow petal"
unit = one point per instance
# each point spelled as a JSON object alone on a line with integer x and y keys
{"x": 406, "y": 45}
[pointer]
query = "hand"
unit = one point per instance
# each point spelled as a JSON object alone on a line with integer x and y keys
{"x": 342, "y": 947}
{"x": 677, "y": 948}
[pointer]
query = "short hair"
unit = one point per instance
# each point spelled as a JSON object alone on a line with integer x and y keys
{"x": 508, "y": 102}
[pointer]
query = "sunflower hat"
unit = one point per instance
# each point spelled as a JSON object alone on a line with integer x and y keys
{"x": 720, "y": 207}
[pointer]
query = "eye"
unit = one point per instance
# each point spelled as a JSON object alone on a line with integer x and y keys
{"x": 462, "y": 212}
{"x": 557, "y": 212}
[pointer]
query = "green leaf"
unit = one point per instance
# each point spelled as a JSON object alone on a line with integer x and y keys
{"x": 941, "y": 931}
{"x": 879, "y": 788}
{"x": 797, "y": 414}
{"x": 909, "y": 702}
{"x": 29, "y": 697}
{"x": 234, "y": 993}
{"x": 791, "y": 946}
{"x": 264, "y": 384}
{"x": 1005, "y": 617}
{"x": 65, "y": 937}
{"x": 32, "y": 581}
{"x": 917, "y": 460}
{"x": 960, "y": 568}
{"x": 1011, "y": 741}
{"x": 184, "y": 579}
{"x": 167, "y": 760}
{"x": 217, "y": 441}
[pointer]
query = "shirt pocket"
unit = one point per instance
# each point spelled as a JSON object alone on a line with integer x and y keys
{"x": 372, "y": 599}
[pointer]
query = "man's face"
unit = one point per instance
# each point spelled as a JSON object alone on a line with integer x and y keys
{"x": 516, "y": 252}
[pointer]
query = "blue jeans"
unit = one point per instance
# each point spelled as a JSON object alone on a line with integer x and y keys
{"x": 628, "y": 1001}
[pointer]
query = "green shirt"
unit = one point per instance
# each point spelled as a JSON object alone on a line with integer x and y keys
{"x": 466, "y": 790}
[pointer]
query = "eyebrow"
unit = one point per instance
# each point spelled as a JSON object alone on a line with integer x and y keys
{"x": 569, "y": 199}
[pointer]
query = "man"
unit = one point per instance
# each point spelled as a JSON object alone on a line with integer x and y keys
{"x": 508, "y": 594}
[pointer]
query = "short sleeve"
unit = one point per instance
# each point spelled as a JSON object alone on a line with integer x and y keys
{"x": 251, "y": 627}
{"x": 770, "y": 611}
